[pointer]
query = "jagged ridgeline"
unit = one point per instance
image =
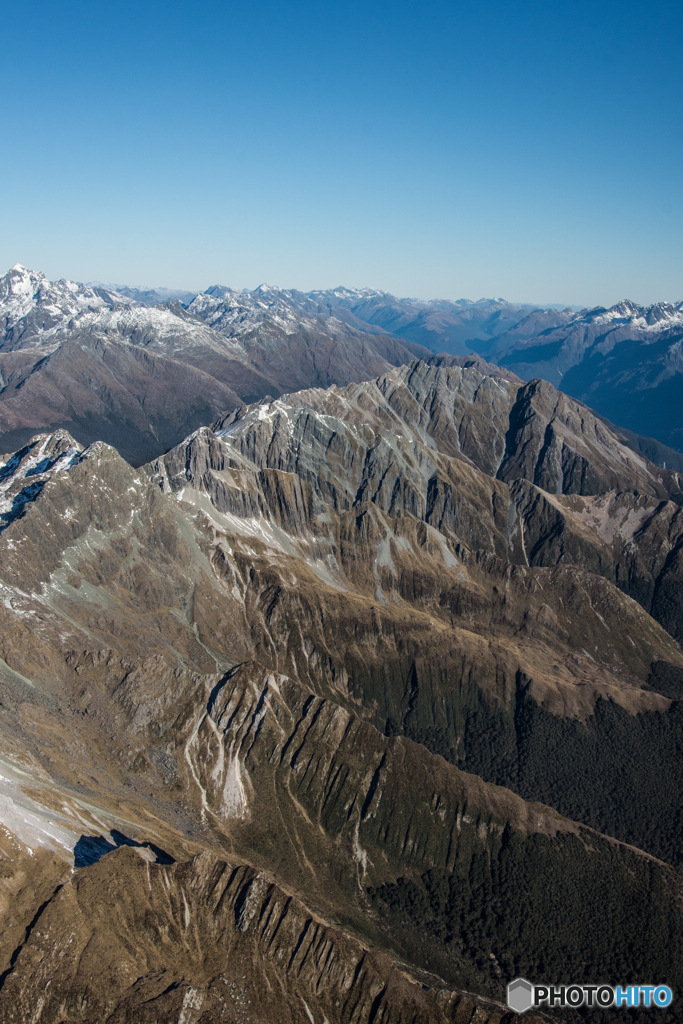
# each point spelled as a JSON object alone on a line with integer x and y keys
{"x": 267, "y": 658}
{"x": 105, "y": 366}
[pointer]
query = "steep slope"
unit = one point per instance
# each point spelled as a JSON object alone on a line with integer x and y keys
{"x": 480, "y": 420}
{"x": 233, "y": 946}
{"x": 132, "y": 398}
{"x": 655, "y": 451}
{"x": 108, "y": 368}
{"x": 218, "y": 669}
{"x": 33, "y": 308}
{"x": 563, "y": 447}
{"x": 295, "y": 341}
{"x": 390, "y": 455}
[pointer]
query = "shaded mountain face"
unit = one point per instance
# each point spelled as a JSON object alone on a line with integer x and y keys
{"x": 238, "y": 346}
{"x": 625, "y": 362}
{"x": 106, "y": 366}
{"x": 297, "y": 341}
{"x": 236, "y": 946}
{"x": 352, "y": 707}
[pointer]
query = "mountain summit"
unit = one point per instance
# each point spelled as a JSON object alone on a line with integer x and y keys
{"x": 624, "y": 361}
{"x": 103, "y": 364}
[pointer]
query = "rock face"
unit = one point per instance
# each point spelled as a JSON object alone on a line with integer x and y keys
{"x": 562, "y": 446}
{"x": 216, "y": 942}
{"x": 351, "y": 707}
{"x": 107, "y": 365}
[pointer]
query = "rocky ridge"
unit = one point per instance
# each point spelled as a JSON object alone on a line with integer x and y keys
{"x": 216, "y": 941}
{"x": 568, "y": 342}
{"x": 106, "y": 364}
{"x": 313, "y": 657}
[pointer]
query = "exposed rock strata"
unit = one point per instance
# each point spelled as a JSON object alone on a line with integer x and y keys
{"x": 107, "y": 367}
{"x": 279, "y": 646}
{"x": 208, "y": 941}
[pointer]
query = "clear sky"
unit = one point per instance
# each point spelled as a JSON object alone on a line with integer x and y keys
{"x": 529, "y": 149}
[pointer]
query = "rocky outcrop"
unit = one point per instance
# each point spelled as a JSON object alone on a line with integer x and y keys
{"x": 633, "y": 540}
{"x": 476, "y": 362}
{"x": 624, "y": 361}
{"x": 561, "y": 446}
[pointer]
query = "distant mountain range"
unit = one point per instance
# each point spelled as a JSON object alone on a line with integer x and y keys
{"x": 140, "y": 368}
{"x": 626, "y": 362}
{"x": 106, "y": 366}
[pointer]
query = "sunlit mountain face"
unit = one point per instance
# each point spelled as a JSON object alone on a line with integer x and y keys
{"x": 333, "y": 653}
{"x": 339, "y": 706}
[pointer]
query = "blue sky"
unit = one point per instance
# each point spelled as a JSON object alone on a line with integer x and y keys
{"x": 530, "y": 149}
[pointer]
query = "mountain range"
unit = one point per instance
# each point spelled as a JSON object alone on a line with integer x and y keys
{"x": 624, "y": 361}
{"x": 140, "y": 377}
{"x": 354, "y": 705}
{"x": 112, "y": 363}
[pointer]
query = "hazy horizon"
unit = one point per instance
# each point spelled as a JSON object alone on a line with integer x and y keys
{"x": 576, "y": 306}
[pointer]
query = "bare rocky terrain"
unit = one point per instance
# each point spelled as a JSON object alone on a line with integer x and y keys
{"x": 352, "y": 706}
{"x": 142, "y": 369}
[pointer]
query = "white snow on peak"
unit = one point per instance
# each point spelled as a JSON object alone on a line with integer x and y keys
{"x": 31, "y": 306}
{"x": 24, "y": 474}
{"x": 660, "y": 316}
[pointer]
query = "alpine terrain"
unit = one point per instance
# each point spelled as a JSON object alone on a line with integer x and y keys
{"x": 143, "y": 368}
{"x": 624, "y": 361}
{"x": 107, "y": 366}
{"x": 359, "y": 702}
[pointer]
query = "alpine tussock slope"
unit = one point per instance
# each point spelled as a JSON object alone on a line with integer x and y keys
{"x": 276, "y": 710}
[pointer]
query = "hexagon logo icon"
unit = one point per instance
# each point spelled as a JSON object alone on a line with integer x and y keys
{"x": 520, "y": 995}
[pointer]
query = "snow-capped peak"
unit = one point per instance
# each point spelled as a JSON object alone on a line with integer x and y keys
{"x": 31, "y": 306}
{"x": 659, "y": 316}
{"x": 21, "y": 281}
